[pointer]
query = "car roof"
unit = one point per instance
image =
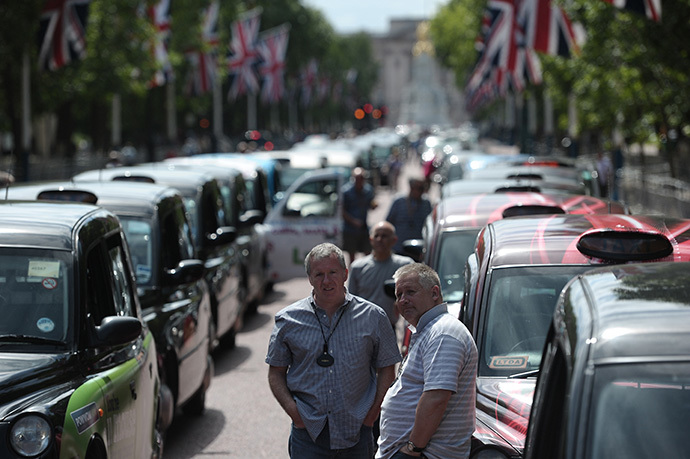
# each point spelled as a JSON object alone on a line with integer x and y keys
{"x": 477, "y": 210}
{"x": 132, "y": 197}
{"x": 187, "y": 181}
{"x": 492, "y": 185}
{"x": 42, "y": 224}
{"x": 639, "y": 311}
{"x": 553, "y": 239}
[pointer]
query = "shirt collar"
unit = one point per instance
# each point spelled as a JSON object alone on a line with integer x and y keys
{"x": 430, "y": 315}
{"x": 348, "y": 298}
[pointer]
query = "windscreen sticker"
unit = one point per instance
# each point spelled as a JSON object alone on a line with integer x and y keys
{"x": 49, "y": 283}
{"x": 44, "y": 268}
{"x": 499, "y": 362}
{"x": 45, "y": 325}
{"x": 85, "y": 417}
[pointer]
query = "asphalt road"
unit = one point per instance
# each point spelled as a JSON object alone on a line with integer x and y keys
{"x": 242, "y": 419}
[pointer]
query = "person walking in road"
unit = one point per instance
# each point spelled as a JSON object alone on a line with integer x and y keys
{"x": 407, "y": 213}
{"x": 430, "y": 408}
{"x": 358, "y": 198}
{"x": 331, "y": 357}
{"x": 368, "y": 274}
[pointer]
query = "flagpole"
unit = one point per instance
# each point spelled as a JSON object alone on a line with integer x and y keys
{"x": 116, "y": 121}
{"x": 170, "y": 105}
{"x": 251, "y": 111}
{"x": 26, "y": 103}
{"x": 217, "y": 112}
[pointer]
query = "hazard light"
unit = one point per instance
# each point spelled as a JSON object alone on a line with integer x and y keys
{"x": 625, "y": 246}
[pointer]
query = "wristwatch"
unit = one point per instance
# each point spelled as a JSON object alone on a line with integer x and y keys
{"x": 412, "y": 448}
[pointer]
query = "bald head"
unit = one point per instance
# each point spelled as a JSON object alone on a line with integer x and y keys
{"x": 383, "y": 238}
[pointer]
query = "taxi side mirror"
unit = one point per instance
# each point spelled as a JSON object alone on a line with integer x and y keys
{"x": 117, "y": 330}
{"x": 414, "y": 248}
{"x": 252, "y": 217}
{"x": 185, "y": 272}
{"x": 223, "y": 235}
{"x": 389, "y": 288}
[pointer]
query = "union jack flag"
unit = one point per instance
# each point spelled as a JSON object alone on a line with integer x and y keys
{"x": 650, "y": 8}
{"x": 309, "y": 77}
{"x": 245, "y": 56}
{"x": 272, "y": 49}
{"x": 204, "y": 61}
{"x": 548, "y": 28}
{"x": 62, "y": 32}
{"x": 160, "y": 17}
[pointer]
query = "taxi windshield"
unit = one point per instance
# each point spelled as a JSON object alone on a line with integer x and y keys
{"x": 138, "y": 233}
{"x": 520, "y": 307}
{"x": 453, "y": 251}
{"x": 35, "y": 295}
{"x": 651, "y": 400}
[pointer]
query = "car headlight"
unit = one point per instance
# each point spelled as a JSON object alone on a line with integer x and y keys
{"x": 31, "y": 435}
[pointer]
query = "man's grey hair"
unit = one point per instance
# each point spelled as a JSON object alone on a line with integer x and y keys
{"x": 426, "y": 275}
{"x": 321, "y": 251}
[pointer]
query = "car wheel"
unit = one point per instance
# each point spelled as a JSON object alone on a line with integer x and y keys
{"x": 197, "y": 404}
{"x": 96, "y": 450}
{"x": 229, "y": 340}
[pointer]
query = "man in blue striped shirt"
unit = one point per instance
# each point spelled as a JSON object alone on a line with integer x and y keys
{"x": 429, "y": 411}
{"x": 332, "y": 357}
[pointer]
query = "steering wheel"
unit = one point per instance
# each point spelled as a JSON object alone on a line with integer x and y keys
{"x": 534, "y": 341}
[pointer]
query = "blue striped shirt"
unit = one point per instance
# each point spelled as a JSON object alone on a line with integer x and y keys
{"x": 442, "y": 355}
{"x": 344, "y": 392}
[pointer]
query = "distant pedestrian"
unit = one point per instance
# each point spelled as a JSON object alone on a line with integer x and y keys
{"x": 407, "y": 213}
{"x": 332, "y": 357}
{"x": 368, "y": 274}
{"x": 395, "y": 165}
{"x": 358, "y": 199}
{"x": 430, "y": 408}
{"x": 605, "y": 173}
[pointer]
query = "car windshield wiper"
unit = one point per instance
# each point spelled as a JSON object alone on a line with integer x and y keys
{"x": 28, "y": 339}
{"x": 524, "y": 375}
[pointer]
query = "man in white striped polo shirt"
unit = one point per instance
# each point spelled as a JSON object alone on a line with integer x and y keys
{"x": 429, "y": 411}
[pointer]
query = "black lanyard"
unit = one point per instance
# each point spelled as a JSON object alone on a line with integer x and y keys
{"x": 326, "y": 359}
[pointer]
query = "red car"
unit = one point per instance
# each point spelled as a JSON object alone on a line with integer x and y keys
{"x": 452, "y": 228}
{"x": 512, "y": 283}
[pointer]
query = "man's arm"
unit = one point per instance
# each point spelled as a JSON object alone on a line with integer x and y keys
{"x": 384, "y": 378}
{"x": 432, "y": 404}
{"x": 277, "y": 380}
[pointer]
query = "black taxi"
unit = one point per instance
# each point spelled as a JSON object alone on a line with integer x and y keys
{"x": 174, "y": 297}
{"x": 78, "y": 372}
{"x": 513, "y": 279}
{"x": 615, "y": 374}
{"x": 213, "y": 239}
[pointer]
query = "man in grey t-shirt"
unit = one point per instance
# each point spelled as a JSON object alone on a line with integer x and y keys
{"x": 368, "y": 274}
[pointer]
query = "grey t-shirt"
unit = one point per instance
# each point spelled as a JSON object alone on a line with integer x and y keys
{"x": 367, "y": 277}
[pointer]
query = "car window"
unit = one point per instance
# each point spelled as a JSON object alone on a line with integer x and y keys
{"x": 108, "y": 290}
{"x": 122, "y": 294}
{"x": 517, "y": 316}
{"x": 193, "y": 218}
{"x": 139, "y": 238}
{"x": 454, "y": 248}
{"x": 318, "y": 198}
{"x": 35, "y": 298}
{"x": 176, "y": 238}
{"x": 640, "y": 410}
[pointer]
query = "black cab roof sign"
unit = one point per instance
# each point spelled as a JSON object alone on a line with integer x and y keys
{"x": 68, "y": 195}
{"x": 624, "y": 246}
